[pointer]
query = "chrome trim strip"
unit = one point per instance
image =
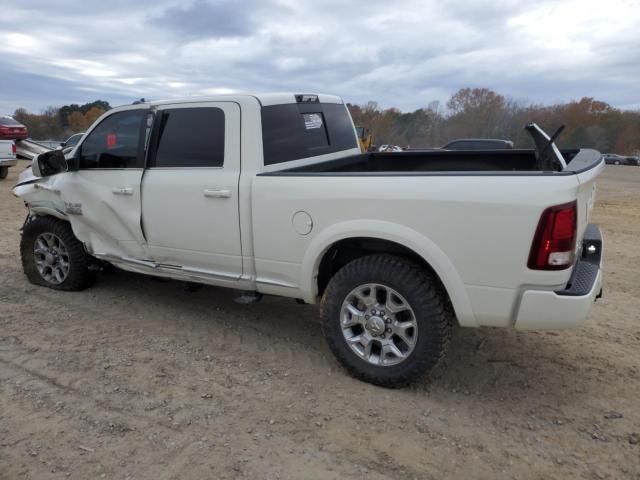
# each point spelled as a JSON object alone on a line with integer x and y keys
{"x": 135, "y": 261}
{"x": 277, "y": 283}
{"x": 189, "y": 272}
{"x": 44, "y": 186}
{"x": 185, "y": 168}
{"x": 80, "y": 170}
{"x": 45, "y": 209}
{"x": 211, "y": 273}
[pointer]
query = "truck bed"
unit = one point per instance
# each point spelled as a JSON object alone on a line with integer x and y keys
{"x": 427, "y": 161}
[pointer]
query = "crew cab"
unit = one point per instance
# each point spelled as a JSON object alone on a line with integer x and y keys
{"x": 270, "y": 194}
{"x": 7, "y": 157}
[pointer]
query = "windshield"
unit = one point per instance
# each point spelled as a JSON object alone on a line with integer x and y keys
{"x": 8, "y": 121}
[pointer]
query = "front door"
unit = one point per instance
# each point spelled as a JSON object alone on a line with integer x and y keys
{"x": 102, "y": 196}
{"x": 190, "y": 189}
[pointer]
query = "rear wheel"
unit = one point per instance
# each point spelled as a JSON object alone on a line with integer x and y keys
{"x": 4, "y": 171}
{"x": 53, "y": 257}
{"x": 386, "y": 320}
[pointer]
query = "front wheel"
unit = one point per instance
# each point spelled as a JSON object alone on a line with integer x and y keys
{"x": 53, "y": 257}
{"x": 386, "y": 320}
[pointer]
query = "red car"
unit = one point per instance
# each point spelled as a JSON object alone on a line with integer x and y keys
{"x": 12, "y": 130}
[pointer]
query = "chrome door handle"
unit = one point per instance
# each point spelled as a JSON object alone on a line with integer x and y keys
{"x": 217, "y": 193}
{"x": 122, "y": 191}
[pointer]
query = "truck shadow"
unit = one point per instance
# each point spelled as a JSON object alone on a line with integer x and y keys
{"x": 481, "y": 362}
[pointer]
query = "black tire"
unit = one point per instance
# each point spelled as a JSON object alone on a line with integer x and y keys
{"x": 4, "y": 171}
{"x": 79, "y": 275}
{"x": 422, "y": 292}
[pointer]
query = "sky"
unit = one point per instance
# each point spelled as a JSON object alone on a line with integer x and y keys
{"x": 404, "y": 54}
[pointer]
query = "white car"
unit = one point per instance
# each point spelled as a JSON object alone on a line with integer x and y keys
{"x": 270, "y": 194}
{"x": 389, "y": 148}
{"x": 7, "y": 157}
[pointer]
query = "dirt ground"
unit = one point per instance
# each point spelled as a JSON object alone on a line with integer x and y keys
{"x": 141, "y": 379}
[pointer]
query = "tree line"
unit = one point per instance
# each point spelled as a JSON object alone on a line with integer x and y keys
{"x": 470, "y": 112}
{"x": 483, "y": 113}
{"x": 58, "y": 123}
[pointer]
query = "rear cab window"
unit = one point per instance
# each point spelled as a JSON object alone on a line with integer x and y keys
{"x": 301, "y": 130}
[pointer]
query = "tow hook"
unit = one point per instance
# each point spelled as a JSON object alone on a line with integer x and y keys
{"x": 599, "y": 295}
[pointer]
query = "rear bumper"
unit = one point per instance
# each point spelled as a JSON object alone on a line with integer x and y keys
{"x": 8, "y": 162}
{"x": 569, "y": 307}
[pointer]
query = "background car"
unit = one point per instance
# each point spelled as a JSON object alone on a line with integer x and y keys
{"x": 615, "y": 159}
{"x": 479, "y": 144}
{"x": 390, "y": 148}
{"x": 71, "y": 142}
{"x": 10, "y": 129}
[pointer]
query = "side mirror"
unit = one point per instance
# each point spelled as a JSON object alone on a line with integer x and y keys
{"x": 63, "y": 144}
{"x": 49, "y": 163}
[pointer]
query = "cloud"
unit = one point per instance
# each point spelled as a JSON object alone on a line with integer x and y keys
{"x": 204, "y": 19}
{"x": 402, "y": 54}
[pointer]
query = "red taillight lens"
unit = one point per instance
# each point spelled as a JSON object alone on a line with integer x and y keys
{"x": 13, "y": 148}
{"x": 555, "y": 239}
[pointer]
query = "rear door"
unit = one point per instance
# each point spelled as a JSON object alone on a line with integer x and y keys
{"x": 190, "y": 189}
{"x": 102, "y": 197}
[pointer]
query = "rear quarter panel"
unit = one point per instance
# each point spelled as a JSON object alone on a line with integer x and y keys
{"x": 475, "y": 231}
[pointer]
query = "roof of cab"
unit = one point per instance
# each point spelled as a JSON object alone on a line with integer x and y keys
{"x": 265, "y": 99}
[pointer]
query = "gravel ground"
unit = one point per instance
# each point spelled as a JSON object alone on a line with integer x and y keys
{"x": 137, "y": 378}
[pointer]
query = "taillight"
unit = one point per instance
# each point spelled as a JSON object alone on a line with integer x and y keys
{"x": 13, "y": 148}
{"x": 555, "y": 239}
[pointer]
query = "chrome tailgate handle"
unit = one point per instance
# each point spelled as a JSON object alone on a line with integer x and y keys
{"x": 217, "y": 193}
{"x": 122, "y": 191}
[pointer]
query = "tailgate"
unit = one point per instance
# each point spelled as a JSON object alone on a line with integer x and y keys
{"x": 586, "y": 165}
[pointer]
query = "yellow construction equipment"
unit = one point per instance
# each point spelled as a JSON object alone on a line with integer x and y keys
{"x": 365, "y": 139}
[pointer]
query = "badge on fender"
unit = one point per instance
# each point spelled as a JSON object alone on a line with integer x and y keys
{"x": 73, "y": 208}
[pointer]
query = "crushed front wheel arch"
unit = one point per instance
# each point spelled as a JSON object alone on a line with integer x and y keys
{"x": 53, "y": 257}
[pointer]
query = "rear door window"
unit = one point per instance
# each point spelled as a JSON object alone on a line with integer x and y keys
{"x": 189, "y": 137}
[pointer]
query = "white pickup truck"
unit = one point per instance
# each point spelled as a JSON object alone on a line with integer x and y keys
{"x": 270, "y": 194}
{"x": 7, "y": 157}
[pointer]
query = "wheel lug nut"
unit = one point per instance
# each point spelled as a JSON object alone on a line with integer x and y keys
{"x": 373, "y": 312}
{"x": 387, "y": 320}
{"x": 366, "y": 317}
{"x": 382, "y": 313}
{"x": 388, "y": 330}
